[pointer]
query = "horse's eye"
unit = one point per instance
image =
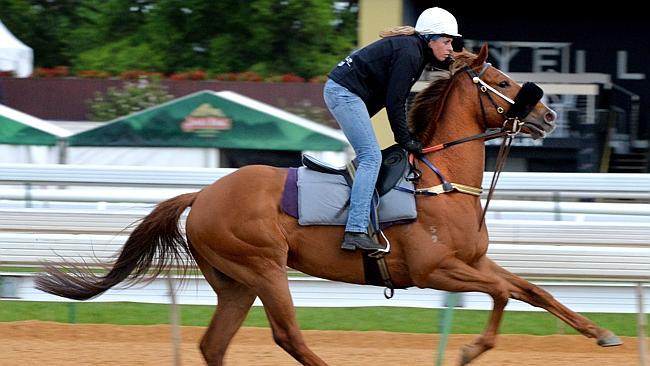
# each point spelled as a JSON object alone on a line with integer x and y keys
{"x": 504, "y": 84}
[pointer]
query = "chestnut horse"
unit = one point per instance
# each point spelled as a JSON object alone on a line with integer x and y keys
{"x": 243, "y": 242}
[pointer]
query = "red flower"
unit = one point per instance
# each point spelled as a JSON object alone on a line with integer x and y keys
{"x": 139, "y": 74}
{"x": 292, "y": 78}
{"x": 197, "y": 75}
{"x": 94, "y": 74}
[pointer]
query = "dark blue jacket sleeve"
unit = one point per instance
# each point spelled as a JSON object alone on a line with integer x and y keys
{"x": 404, "y": 73}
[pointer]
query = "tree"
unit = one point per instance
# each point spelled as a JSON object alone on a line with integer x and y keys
{"x": 295, "y": 36}
{"x": 46, "y": 26}
{"x": 267, "y": 36}
{"x": 304, "y": 37}
{"x": 115, "y": 39}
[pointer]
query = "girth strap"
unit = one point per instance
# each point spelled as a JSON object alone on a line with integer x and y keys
{"x": 442, "y": 188}
{"x": 445, "y": 187}
{"x": 377, "y": 274}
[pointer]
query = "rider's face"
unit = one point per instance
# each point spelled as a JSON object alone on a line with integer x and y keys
{"x": 441, "y": 47}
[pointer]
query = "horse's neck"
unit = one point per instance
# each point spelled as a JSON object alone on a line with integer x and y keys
{"x": 463, "y": 163}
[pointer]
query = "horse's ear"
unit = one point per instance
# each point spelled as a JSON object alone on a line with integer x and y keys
{"x": 482, "y": 55}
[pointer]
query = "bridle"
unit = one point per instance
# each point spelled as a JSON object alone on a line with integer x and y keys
{"x": 511, "y": 127}
{"x": 483, "y": 88}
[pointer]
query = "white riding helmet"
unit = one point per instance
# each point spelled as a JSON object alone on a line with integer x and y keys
{"x": 437, "y": 21}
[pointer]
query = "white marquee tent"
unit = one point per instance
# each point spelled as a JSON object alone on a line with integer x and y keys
{"x": 28, "y": 139}
{"x": 15, "y": 55}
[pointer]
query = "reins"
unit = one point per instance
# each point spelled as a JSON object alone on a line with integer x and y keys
{"x": 507, "y": 132}
{"x": 504, "y": 150}
{"x": 484, "y": 136}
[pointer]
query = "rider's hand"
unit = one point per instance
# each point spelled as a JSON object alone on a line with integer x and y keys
{"x": 413, "y": 146}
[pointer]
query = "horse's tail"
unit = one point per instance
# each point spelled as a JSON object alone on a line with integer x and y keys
{"x": 155, "y": 246}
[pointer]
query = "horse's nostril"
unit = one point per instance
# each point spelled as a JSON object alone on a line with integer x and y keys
{"x": 550, "y": 116}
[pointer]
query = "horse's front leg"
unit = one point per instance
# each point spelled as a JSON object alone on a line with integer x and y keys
{"x": 487, "y": 340}
{"x": 534, "y": 295}
{"x": 452, "y": 274}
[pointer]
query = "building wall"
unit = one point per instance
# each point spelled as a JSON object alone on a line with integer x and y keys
{"x": 549, "y": 39}
{"x": 375, "y": 16}
{"x": 66, "y": 99}
{"x": 608, "y": 39}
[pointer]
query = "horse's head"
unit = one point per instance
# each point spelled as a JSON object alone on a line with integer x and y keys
{"x": 504, "y": 99}
{"x": 478, "y": 91}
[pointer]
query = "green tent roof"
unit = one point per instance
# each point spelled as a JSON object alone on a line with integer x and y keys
{"x": 214, "y": 119}
{"x": 18, "y": 128}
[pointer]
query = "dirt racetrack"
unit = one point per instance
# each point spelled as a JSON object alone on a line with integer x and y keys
{"x": 45, "y": 343}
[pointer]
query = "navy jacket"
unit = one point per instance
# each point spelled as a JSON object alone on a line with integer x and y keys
{"x": 382, "y": 75}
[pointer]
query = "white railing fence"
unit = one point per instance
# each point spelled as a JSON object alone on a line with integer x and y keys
{"x": 583, "y": 237}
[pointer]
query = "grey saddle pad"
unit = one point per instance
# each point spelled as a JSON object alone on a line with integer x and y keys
{"x": 321, "y": 198}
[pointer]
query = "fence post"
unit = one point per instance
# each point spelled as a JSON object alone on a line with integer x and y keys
{"x": 72, "y": 312}
{"x": 445, "y": 326}
{"x": 643, "y": 347}
{"x": 174, "y": 320}
{"x": 556, "y": 208}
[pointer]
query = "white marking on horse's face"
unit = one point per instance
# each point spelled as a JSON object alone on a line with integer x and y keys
{"x": 434, "y": 230}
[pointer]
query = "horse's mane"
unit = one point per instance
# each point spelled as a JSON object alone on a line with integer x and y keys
{"x": 427, "y": 107}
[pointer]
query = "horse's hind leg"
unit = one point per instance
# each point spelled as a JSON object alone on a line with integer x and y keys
{"x": 234, "y": 302}
{"x": 273, "y": 290}
{"x": 536, "y": 296}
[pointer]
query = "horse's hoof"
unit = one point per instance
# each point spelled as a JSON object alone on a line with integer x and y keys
{"x": 610, "y": 341}
{"x": 467, "y": 354}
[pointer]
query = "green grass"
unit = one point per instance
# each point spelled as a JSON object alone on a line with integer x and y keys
{"x": 18, "y": 269}
{"x": 391, "y": 319}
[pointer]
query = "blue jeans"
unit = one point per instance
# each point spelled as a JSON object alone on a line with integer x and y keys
{"x": 352, "y": 116}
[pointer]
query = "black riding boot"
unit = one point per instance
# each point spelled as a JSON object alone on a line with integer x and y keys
{"x": 352, "y": 241}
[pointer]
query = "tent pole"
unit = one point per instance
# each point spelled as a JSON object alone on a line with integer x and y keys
{"x": 62, "y": 144}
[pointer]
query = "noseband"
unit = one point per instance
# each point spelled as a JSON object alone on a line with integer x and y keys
{"x": 524, "y": 102}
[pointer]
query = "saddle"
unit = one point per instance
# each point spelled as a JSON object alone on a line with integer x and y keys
{"x": 394, "y": 162}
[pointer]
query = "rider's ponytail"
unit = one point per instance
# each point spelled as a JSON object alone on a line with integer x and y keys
{"x": 405, "y": 30}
